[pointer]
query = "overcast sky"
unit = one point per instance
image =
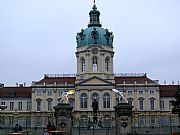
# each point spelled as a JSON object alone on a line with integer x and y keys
{"x": 38, "y": 37}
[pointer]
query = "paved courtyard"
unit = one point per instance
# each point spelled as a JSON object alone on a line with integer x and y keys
{"x": 76, "y": 131}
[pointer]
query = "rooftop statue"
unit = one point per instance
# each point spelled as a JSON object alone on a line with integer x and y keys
{"x": 65, "y": 96}
{"x": 121, "y": 96}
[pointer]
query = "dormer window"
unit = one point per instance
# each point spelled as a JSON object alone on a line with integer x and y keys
{"x": 95, "y": 63}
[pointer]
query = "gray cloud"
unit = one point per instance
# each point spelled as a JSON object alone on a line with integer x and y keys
{"x": 38, "y": 37}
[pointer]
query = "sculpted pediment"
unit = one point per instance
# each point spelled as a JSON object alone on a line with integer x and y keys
{"x": 95, "y": 81}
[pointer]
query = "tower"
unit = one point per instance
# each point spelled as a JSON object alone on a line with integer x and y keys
{"x": 94, "y": 50}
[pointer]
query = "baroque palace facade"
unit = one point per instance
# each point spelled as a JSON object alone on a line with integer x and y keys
{"x": 32, "y": 106}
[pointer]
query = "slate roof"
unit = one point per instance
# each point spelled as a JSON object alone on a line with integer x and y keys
{"x": 57, "y": 80}
{"x": 168, "y": 90}
{"x": 132, "y": 80}
{"x": 14, "y": 92}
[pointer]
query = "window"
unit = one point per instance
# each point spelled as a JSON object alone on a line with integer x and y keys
{"x": 106, "y": 100}
{"x": 84, "y": 117}
{"x": 152, "y": 103}
{"x": 19, "y": 105}
{"x": 38, "y": 93}
{"x": 83, "y": 120}
{"x": 28, "y": 121}
{"x": 152, "y": 92}
{"x": 3, "y": 103}
{"x": 141, "y": 104}
{"x": 38, "y": 104}
{"x": 162, "y": 105}
{"x": 83, "y": 100}
{"x": 129, "y": 92}
{"x": 107, "y": 121}
{"x": 130, "y": 102}
{"x": 59, "y": 100}
{"x": 107, "y": 64}
{"x": 11, "y": 106}
{"x": 107, "y": 77}
{"x": 71, "y": 102}
{"x": 38, "y": 121}
{"x": 152, "y": 120}
{"x": 172, "y": 120}
{"x": 12, "y": 94}
{"x": 81, "y": 77}
{"x": 141, "y": 120}
{"x": 28, "y": 106}
{"x": 60, "y": 93}
{"x": 11, "y": 120}
{"x": 49, "y": 104}
{"x": 83, "y": 64}
{"x": 2, "y": 120}
{"x": 95, "y": 63}
{"x": 140, "y": 92}
{"x": 49, "y": 93}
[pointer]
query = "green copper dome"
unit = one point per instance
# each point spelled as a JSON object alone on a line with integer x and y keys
{"x": 94, "y": 34}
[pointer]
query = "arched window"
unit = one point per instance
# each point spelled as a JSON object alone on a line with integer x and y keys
{"x": 49, "y": 104}
{"x": 95, "y": 63}
{"x": 38, "y": 104}
{"x": 83, "y": 100}
{"x": 106, "y": 100}
{"x": 95, "y": 97}
{"x": 107, "y": 64}
{"x": 83, "y": 64}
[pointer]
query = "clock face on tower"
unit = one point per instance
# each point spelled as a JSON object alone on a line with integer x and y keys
{"x": 94, "y": 50}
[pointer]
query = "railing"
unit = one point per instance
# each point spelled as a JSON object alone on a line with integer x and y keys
{"x": 60, "y": 75}
{"x": 130, "y": 74}
{"x": 116, "y": 74}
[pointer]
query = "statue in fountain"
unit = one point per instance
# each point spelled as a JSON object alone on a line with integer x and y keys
{"x": 65, "y": 96}
{"x": 121, "y": 96}
{"x": 95, "y": 107}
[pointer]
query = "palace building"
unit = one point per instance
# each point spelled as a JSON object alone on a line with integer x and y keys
{"x": 95, "y": 79}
